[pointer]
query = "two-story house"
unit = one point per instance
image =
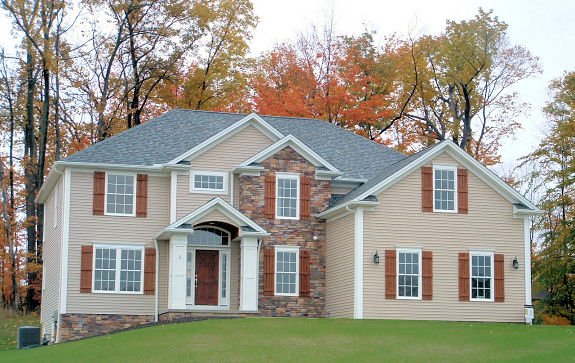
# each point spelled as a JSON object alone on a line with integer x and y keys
{"x": 206, "y": 213}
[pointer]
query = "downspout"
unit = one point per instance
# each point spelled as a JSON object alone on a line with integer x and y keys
{"x": 156, "y": 315}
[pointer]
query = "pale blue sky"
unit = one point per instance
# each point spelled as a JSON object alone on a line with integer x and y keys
{"x": 545, "y": 28}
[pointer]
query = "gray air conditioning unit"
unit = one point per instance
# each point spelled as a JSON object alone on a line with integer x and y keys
{"x": 28, "y": 336}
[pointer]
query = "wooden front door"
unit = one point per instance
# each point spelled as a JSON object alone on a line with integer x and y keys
{"x": 207, "y": 268}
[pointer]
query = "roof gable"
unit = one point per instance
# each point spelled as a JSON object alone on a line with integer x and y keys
{"x": 299, "y": 147}
{"x": 250, "y": 120}
{"x": 220, "y": 205}
{"x": 399, "y": 170}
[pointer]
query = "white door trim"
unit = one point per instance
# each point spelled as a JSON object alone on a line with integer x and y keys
{"x": 223, "y": 304}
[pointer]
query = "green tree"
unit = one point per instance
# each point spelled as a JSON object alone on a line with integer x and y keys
{"x": 464, "y": 75}
{"x": 554, "y": 168}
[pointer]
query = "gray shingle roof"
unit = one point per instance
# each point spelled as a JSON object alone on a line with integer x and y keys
{"x": 165, "y": 137}
{"x": 383, "y": 174}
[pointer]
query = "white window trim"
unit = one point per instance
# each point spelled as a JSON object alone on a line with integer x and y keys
{"x": 292, "y": 249}
{"x": 133, "y": 214}
{"x": 446, "y": 167}
{"x": 419, "y": 279}
{"x": 293, "y": 176}
{"x": 491, "y": 285}
{"x": 223, "y": 174}
{"x": 118, "y": 248}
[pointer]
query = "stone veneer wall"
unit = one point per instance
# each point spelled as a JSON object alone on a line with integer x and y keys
{"x": 79, "y": 326}
{"x": 290, "y": 233}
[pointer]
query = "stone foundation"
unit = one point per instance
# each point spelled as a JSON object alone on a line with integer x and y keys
{"x": 79, "y": 326}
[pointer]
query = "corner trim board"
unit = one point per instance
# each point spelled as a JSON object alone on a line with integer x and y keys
{"x": 358, "y": 265}
{"x": 65, "y": 241}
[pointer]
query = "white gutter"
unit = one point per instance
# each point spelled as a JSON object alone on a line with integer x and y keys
{"x": 352, "y": 203}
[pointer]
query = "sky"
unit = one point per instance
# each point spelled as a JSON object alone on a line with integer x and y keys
{"x": 545, "y": 28}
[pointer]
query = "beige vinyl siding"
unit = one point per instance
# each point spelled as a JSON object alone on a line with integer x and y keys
{"x": 217, "y": 216}
{"x": 399, "y": 221}
{"x": 163, "y": 275}
{"x": 87, "y": 229}
{"x": 51, "y": 255}
{"x": 222, "y": 157}
{"x": 339, "y": 270}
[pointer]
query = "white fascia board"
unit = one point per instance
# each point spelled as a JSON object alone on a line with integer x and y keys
{"x": 49, "y": 184}
{"x": 298, "y": 146}
{"x": 347, "y": 206}
{"x": 248, "y": 170}
{"x": 520, "y": 213}
{"x": 466, "y": 160}
{"x": 231, "y": 130}
{"x": 347, "y": 182}
{"x": 222, "y": 206}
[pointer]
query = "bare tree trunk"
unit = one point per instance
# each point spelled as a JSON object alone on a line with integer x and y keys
{"x": 15, "y": 298}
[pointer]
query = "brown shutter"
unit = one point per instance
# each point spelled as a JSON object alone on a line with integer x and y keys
{"x": 142, "y": 196}
{"x": 499, "y": 267}
{"x": 99, "y": 193}
{"x": 390, "y": 275}
{"x": 427, "y": 189}
{"x": 150, "y": 271}
{"x": 464, "y": 277}
{"x": 305, "y": 198}
{"x": 304, "y": 273}
{"x": 86, "y": 269}
{"x": 427, "y": 274}
{"x": 269, "y": 271}
{"x": 270, "y": 196}
{"x": 462, "y": 191}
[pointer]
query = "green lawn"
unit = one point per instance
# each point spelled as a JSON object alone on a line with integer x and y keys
{"x": 284, "y": 339}
{"x": 9, "y": 324}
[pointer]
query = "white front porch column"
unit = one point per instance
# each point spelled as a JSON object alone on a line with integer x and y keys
{"x": 177, "y": 289}
{"x": 249, "y": 274}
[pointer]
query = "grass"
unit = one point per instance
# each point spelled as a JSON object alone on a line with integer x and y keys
{"x": 9, "y": 324}
{"x": 285, "y": 339}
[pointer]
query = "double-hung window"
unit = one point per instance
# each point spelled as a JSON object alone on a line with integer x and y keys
{"x": 287, "y": 271}
{"x": 408, "y": 273}
{"x": 211, "y": 182}
{"x": 287, "y": 196}
{"x": 481, "y": 275}
{"x": 120, "y": 194}
{"x": 118, "y": 268}
{"x": 444, "y": 188}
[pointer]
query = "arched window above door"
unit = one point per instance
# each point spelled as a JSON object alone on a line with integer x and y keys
{"x": 209, "y": 236}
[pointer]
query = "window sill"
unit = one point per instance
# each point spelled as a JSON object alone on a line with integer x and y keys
{"x": 445, "y": 211}
{"x": 482, "y": 300}
{"x": 279, "y": 294}
{"x": 209, "y": 191}
{"x": 288, "y": 218}
{"x": 408, "y": 298}
{"x": 119, "y": 215}
{"x": 118, "y": 292}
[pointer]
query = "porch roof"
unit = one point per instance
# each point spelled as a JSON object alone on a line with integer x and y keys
{"x": 184, "y": 224}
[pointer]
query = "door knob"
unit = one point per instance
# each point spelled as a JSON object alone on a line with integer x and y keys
{"x": 196, "y": 280}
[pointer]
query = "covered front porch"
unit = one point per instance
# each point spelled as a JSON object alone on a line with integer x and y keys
{"x": 208, "y": 262}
